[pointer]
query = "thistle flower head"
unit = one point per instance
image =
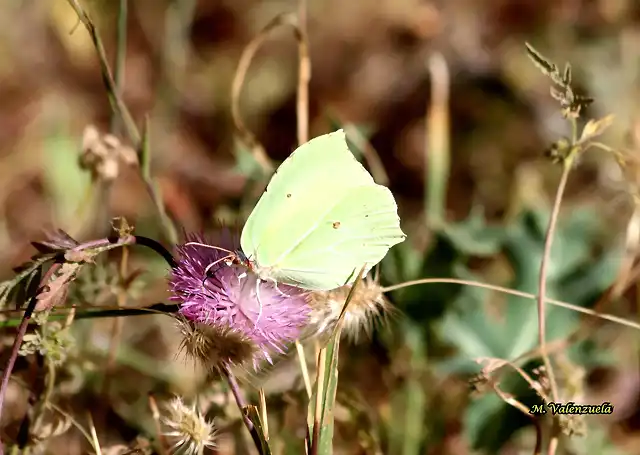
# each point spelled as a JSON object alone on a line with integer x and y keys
{"x": 189, "y": 431}
{"x": 367, "y": 307}
{"x": 233, "y": 303}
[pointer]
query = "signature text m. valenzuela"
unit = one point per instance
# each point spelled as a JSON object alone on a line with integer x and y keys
{"x": 572, "y": 408}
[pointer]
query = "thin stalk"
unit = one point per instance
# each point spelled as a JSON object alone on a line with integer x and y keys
{"x": 120, "y": 109}
{"x": 526, "y": 295}
{"x": 155, "y": 413}
{"x": 242, "y": 405}
{"x": 542, "y": 283}
{"x": 17, "y": 342}
{"x": 44, "y": 402}
{"x": 567, "y": 164}
{"x": 121, "y": 55}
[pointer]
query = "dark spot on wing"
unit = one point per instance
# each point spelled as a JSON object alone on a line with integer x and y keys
{"x": 288, "y": 194}
{"x": 366, "y": 216}
{"x": 336, "y": 224}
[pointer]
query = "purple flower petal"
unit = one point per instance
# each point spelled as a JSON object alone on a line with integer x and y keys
{"x": 233, "y": 297}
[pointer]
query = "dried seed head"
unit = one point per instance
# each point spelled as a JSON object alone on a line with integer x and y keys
{"x": 214, "y": 346}
{"x": 189, "y": 431}
{"x": 367, "y": 307}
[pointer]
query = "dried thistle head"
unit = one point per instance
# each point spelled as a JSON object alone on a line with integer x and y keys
{"x": 367, "y": 307}
{"x": 187, "y": 428}
{"x": 234, "y": 304}
{"x": 215, "y": 345}
{"x": 102, "y": 154}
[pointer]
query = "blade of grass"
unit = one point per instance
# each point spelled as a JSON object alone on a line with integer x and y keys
{"x": 437, "y": 143}
{"x": 251, "y": 412}
{"x": 263, "y": 413}
{"x": 322, "y": 405}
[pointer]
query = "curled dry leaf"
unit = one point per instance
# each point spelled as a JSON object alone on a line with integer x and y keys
{"x": 55, "y": 292}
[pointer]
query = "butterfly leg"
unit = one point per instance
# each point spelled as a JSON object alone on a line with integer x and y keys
{"x": 275, "y": 283}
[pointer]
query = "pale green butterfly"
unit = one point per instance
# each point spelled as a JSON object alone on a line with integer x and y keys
{"x": 321, "y": 218}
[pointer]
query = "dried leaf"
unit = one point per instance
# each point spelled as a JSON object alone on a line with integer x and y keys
{"x": 595, "y": 128}
{"x": 79, "y": 256}
{"x": 57, "y": 289}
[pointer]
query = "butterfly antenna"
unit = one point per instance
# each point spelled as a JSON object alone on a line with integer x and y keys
{"x": 208, "y": 268}
{"x": 213, "y": 247}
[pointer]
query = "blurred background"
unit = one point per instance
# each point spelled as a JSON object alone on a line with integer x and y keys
{"x": 374, "y": 65}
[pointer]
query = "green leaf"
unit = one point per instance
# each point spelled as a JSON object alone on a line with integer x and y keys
{"x": 246, "y": 164}
{"x": 473, "y": 237}
{"x": 406, "y": 427}
{"x": 573, "y": 275}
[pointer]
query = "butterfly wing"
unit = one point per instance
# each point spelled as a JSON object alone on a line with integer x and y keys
{"x": 321, "y": 217}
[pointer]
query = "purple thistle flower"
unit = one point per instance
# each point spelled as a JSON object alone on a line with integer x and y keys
{"x": 233, "y": 301}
